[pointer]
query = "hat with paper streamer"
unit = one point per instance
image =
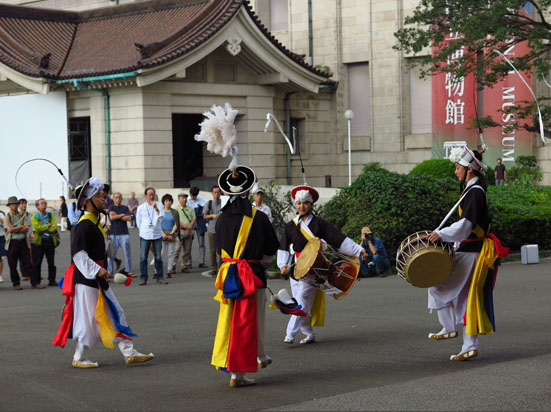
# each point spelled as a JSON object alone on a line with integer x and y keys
{"x": 286, "y": 304}
{"x": 122, "y": 279}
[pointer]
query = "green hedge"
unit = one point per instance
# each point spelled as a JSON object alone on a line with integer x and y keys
{"x": 395, "y": 206}
{"x": 441, "y": 168}
{"x": 521, "y": 215}
{"x": 444, "y": 169}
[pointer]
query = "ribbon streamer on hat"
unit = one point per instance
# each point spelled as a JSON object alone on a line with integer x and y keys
{"x": 46, "y": 160}
{"x": 270, "y": 117}
{"x": 542, "y": 134}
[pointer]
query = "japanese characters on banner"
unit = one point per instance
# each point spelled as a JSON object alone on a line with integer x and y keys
{"x": 454, "y": 109}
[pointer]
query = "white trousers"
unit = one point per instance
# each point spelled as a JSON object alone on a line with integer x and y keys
{"x": 85, "y": 327}
{"x": 454, "y": 293}
{"x": 63, "y": 224}
{"x": 305, "y": 294}
{"x": 125, "y": 346}
{"x": 168, "y": 250}
{"x": 261, "y": 317}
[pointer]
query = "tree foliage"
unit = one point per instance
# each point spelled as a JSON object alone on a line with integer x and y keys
{"x": 526, "y": 172}
{"x": 394, "y": 206}
{"x": 484, "y": 26}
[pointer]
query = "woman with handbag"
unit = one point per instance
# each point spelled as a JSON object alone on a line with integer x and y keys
{"x": 171, "y": 232}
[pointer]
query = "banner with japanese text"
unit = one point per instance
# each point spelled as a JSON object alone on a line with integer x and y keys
{"x": 453, "y": 108}
{"x": 454, "y": 104}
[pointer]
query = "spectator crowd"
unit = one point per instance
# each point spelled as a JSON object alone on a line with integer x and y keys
{"x": 167, "y": 229}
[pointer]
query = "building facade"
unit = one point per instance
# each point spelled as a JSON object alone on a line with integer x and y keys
{"x": 153, "y": 114}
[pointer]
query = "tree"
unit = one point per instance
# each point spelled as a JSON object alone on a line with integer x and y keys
{"x": 483, "y": 26}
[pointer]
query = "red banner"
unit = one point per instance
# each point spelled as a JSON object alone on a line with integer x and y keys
{"x": 453, "y": 108}
{"x": 454, "y": 103}
{"x": 503, "y": 142}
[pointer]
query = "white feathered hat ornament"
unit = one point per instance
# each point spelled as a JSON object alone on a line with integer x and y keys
{"x": 218, "y": 131}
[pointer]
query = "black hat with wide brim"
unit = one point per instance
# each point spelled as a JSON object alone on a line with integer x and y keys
{"x": 237, "y": 185}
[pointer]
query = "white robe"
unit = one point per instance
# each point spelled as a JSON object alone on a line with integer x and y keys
{"x": 85, "y": 327}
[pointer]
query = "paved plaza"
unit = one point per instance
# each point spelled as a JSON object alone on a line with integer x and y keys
{"x": 373, "y": 353}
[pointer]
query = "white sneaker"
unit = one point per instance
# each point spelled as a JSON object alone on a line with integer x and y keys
{"x": 1, "y": 279}
{"x": 307, "y": 340}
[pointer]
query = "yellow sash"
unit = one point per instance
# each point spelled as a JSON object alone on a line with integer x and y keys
{"x": 223, "y": 328}
{"x": 317, "y": 316}
{"x": 94, "y": 219}
{"x": 478, "y": 321}
{"x": 106, "y": 329}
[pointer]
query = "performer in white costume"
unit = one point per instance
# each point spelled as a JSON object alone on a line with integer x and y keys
{"x": 92, "y": 312}
{"x": 297, "y": 234}
{"x": 469, "y": 287}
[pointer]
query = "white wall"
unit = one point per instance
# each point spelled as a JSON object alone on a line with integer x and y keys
{"x": 33, "y": 126}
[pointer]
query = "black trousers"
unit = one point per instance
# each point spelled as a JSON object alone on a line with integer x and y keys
{"x": 18, "y": 251}
{"x": 46, "y": 248}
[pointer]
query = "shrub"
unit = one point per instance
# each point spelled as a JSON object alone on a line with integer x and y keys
{"x": 392, "y": 205}
{"x": 525, "y": 172}
{"x": 521, "y": 215}
{"x": 279, "y": 203}
{"x": 441, "y": 168}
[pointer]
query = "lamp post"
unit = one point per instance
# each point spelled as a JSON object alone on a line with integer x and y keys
{"x": 349, "y": 115}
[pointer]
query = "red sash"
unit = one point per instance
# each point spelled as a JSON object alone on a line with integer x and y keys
{"x": 244, "y": 327}
{"x": 68, "y": 311}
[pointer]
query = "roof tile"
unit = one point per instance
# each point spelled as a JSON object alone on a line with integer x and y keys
{"x": 66, "y": 45}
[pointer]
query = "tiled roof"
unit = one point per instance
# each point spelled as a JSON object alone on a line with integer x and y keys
{"x": 117, "y": 39}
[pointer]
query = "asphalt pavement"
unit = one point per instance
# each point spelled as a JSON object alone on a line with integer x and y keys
{"x": 373, "y": 353}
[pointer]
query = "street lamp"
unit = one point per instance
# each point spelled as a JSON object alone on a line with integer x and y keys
{"x": 349, "y": 115}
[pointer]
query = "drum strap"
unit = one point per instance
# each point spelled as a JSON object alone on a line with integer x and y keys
{"x": 318, "y": 307}
{"x": 456, "y": 206}
{"x": 304, "y": 229}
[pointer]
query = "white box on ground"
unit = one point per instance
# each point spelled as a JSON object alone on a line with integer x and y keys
{"x": 529, "y": 254}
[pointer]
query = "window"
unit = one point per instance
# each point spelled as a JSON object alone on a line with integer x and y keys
{"x": 359, "y": 99}
{"x": 279, "y": 15}
{"x": 420, "y": 102}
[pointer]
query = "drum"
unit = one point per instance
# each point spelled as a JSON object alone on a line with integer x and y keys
{"x": 423, "y": 263}
{"x": 321, "y": 265}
